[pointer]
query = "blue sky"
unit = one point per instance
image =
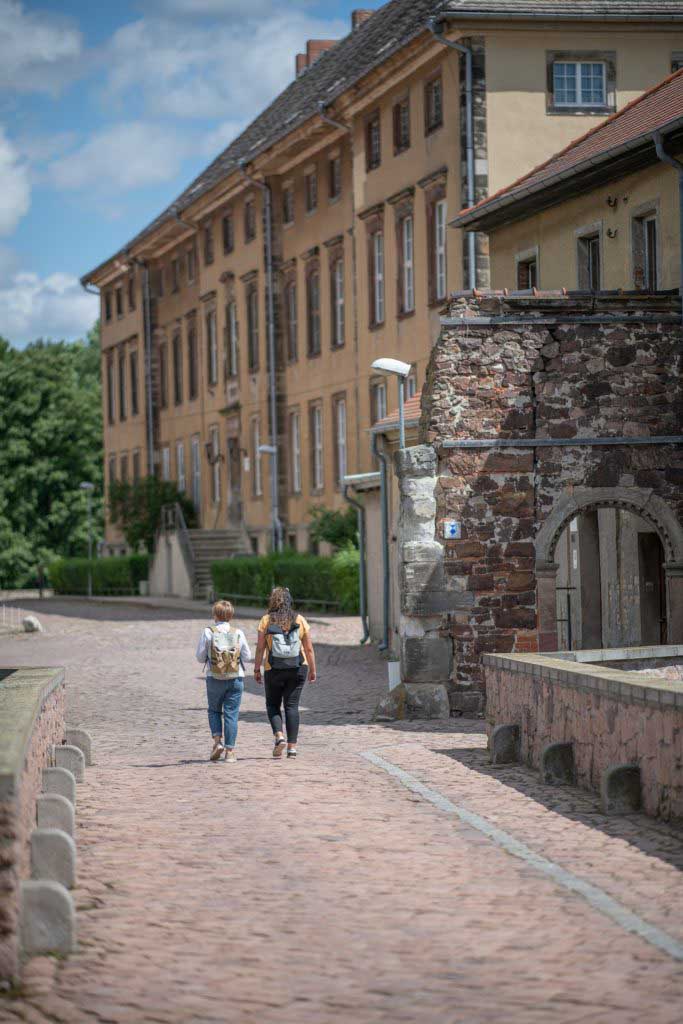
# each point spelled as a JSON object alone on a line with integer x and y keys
{"x": 106, "y": 112}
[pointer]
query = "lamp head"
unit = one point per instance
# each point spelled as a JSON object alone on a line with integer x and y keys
{"x": 267, "y": 449}
{"x": 392, "y": 367}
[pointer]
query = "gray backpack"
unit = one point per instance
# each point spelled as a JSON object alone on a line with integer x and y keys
{"x": 284, "y": 647}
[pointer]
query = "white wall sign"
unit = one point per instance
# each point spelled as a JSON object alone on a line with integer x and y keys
{"x": 452, "y": 529}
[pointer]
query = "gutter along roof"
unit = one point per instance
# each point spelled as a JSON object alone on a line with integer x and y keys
{"x": 617, "y": 146}
{"x": 567, "y": 10}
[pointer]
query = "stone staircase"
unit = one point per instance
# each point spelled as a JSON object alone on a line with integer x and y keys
{"x": 207, "y": 547}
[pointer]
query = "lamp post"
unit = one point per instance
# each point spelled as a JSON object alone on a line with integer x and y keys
{"x": 270, "y": 449}
{"x": 89, "y": 488}
{"x": 399, "y": 369}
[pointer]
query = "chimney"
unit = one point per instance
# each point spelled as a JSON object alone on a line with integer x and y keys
{"x": 301, "y": 63}
{"x": 316, "y": 47}
{"x": 358, "y": 17}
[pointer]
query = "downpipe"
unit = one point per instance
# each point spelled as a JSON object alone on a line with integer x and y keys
{"x": 666, "y": 158}
{"x": 384, "y": 502}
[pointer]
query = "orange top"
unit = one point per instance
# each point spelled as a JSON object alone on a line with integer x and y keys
{"x": 304, "y": 631}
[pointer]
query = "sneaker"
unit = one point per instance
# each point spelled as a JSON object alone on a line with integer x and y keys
{"x": 230, "y": 755}
{"x": 279, "y": 748}
{"x": 291, "y": 753}
{"x": 218, "y": 749}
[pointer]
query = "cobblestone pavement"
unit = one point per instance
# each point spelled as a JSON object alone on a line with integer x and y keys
{"x": 321, "y": 889}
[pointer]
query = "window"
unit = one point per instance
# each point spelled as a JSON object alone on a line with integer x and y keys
{"x": 377, "y": 278}
{"x": 232, "y": 339}
{"x": 676, "y": 61}
{"x": 407, "y": 267}
{"x": 288, "y": 205}
{"x": 440, "y": 249}
{"x": 110, "y": 389}
{"x": 317, "y": 471}
{"x": 177, "y": 369}
{"x": 337, "y": 283}
{"x": 123, "y": 404}
{"x": 335, "y": 179}
{"x": 196, "y": 467}
{"x": 291, "y": 321}
{"x": 207, "y": 235}
{"x": 211, "y": 348}
{"x": 252, "y": 328}
{"x": 256, "y": 478}
{"x": 119, "y": 301}
{"x": 134, "y": 407}
{"x": 433, "y": 105}
{"x": 378, "y": 401}
{"x": 124, "y": 469}
{"x": 131, "y": 293}
{"x": 313, "y": 312}
{"x": 175, "y": 275}
{"x": 650, "y": 247}
{"x": 295, "y": 452}
{"x": 228, "y": 233}
{"x": 401, "y": 125}
{"x": 527, "y": 273}
{"x": 190, "y": 263}
{"x": 588, "y": 253}
{"x": 163, "y": 375}
{"x": 214, "y": 441}
{"x": 340, "y": 440}
{"x": 107, "y": 306}
{"x": 165, "y": 463}
{"x": 157, "y": 283}
{"x": 180, "y": 465}
{"x": 311, "y": 191}
{"x": 645, "y": 261}
{"x": 249, "y": 220}
{"x": 136, "y": 466}
{"x": 411, "y": 383}
{"x": 373, "y": 142}
{"x": 112, "y": 470}
{"x": 192, "y": 364}
{"x": 579, "y": 84}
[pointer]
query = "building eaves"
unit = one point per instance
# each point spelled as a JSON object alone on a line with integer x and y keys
{"x": 565, "y": 10}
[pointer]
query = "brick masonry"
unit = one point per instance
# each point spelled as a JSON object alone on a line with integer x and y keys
{"x": 553, "y": 366}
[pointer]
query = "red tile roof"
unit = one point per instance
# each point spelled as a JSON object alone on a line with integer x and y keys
{"x": 658, "y": 108}
{"x": 411, "y": 412}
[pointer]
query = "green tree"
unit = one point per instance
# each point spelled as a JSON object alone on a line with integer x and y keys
{"x": 50, "y": 441}
{"x": 338, "y": 528}
{"x": 136, "y": 508}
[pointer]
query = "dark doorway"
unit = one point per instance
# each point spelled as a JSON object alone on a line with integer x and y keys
{"x": 652, "y": 593}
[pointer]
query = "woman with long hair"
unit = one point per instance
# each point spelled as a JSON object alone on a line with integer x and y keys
{"x": 286, "y": 650}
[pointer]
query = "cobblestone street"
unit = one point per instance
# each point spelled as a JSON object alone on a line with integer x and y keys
{"x": 324, "y": 889}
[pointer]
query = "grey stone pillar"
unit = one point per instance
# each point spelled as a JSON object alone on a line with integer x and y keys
{"x": 674, "y": 599}
{"x": 546, "y": 579}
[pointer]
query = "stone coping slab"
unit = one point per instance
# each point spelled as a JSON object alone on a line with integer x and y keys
{"x": 23, "y": 692}
{"x": 610, "y": 682}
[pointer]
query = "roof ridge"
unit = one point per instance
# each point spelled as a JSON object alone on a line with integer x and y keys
{"x": 576, "y": 142}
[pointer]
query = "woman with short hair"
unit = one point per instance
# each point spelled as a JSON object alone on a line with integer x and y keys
{"x": 285, "y": 647}
{"x": 223, "y": 650}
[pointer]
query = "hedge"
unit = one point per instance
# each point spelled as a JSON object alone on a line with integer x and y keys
{"x": 316, "y": 583}
{"x": 117, "y": 575}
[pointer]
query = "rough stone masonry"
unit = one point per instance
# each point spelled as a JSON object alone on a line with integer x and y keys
{"x": 556, "y": 372}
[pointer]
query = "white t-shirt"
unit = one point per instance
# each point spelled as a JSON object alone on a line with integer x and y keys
{"x": 204, "y": 645}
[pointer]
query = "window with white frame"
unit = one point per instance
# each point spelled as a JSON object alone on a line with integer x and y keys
{"x": 215, "y": 443}
{"x": 440, "y": 214}
{"x": 411, "y": 383}
{"x": 180, "y": 465}
{"x": 196, "y": 467}
{"x": 588, "y": 261}
{"x": 233, "y": 354}
{"x": 317, "y": 470}
{"x": 378, "y": 401}
{"x": 292, "y": 321}
{"x": 166, "y": 463}
{"x": 407, "y": 268}
{"x": 338, "y": 303}
{"x": 256, "y": 476}
{"x": 645, "y": 250}
{"x": 211, "y": 347}
{"x": 295, "y": 452}
{"x": 378, "y": 277}
{"x": 579, "y": 83}
{"x": 340, "y": 439}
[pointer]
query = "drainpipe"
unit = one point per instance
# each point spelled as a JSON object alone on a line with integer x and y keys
{"x": 90, "y": 291}
{"x": 673, "y": 162}
{"x": 437, "y": 27}
{"x": 270, "y": 310}
{"x": 185, "y": 223}
{"x": 360, "y": 510}
{"x": 384, "y": 500}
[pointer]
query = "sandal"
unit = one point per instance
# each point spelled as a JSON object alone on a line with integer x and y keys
{"x": 279, "y": 748}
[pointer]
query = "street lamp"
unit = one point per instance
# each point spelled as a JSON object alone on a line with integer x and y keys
{"x": 270, "y": 449}
{"x": 396, "y": 368}
{"x": 89, "y": 488}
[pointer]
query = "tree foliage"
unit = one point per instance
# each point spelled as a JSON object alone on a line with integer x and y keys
{"x": 50, "y": 441}
{"x": 136, "y": 508}
{"x": 338, "y": 528}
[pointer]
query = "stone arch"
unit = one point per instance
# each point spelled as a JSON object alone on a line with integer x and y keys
{"x": 641, "y": 501}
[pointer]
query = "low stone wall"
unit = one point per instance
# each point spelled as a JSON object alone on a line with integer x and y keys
{"x": 613, "y": 719}
{"x": 32, "y": 721}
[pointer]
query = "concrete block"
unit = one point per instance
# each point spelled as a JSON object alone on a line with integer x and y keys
{"x": 426, "y": 659}
{"x": 557, "y": 764}
{"x": 414, "y": 701}
{"x": 71, "y": 758}
{"x": 81, "y": 739}
{"x": 504, "y": 745}
{"x": 53, "y": 856}
{"x": 420, "y": 460}
{"x": 55, "y": 811}
{"x": 60, "y": 780}
{"x": 620, "y": 789}
{"x": 31, "y": 624}
{"x": 48, "y": 919}
{"x": 469, "y": 702}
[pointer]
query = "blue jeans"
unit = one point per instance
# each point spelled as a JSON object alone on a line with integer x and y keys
{"x": 224, "y": 697}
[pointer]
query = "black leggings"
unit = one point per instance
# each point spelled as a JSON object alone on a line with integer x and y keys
{"x": 284, "y": 686}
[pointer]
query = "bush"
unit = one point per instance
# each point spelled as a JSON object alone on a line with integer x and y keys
{"x": 137, "y": 506}
{"x": 109, "y": 575}
{"x": 316, "y": 583}
{"x": 338, "y": 527}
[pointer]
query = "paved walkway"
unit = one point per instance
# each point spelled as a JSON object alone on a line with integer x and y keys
{"x": 324, "y": 889}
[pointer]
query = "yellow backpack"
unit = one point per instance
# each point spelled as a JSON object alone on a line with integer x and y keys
{"x": 224, "y": 654}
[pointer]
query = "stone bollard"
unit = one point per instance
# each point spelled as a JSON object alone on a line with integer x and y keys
{"x": 61, "y": 781}
{"x": 31, "y": 624}
{"x": 53, "y": 857}
{"x": 81, "y": 739}
{"x": 620, "y": 791}
{"x": 557, "y": 764}
{"x": 71, "y": 758}
{"x": 48, "y": 920}
{"x": 55, "y": 811}
{"x": 504, "y": 745}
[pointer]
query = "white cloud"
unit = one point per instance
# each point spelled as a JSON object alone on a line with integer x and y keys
{"x": 51, "y": 307}
{"x": 122, "y": 156}
{"x": 15, "y": 190}
{"x": 216, "y": 140}
{"x": 39, "y": 51}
